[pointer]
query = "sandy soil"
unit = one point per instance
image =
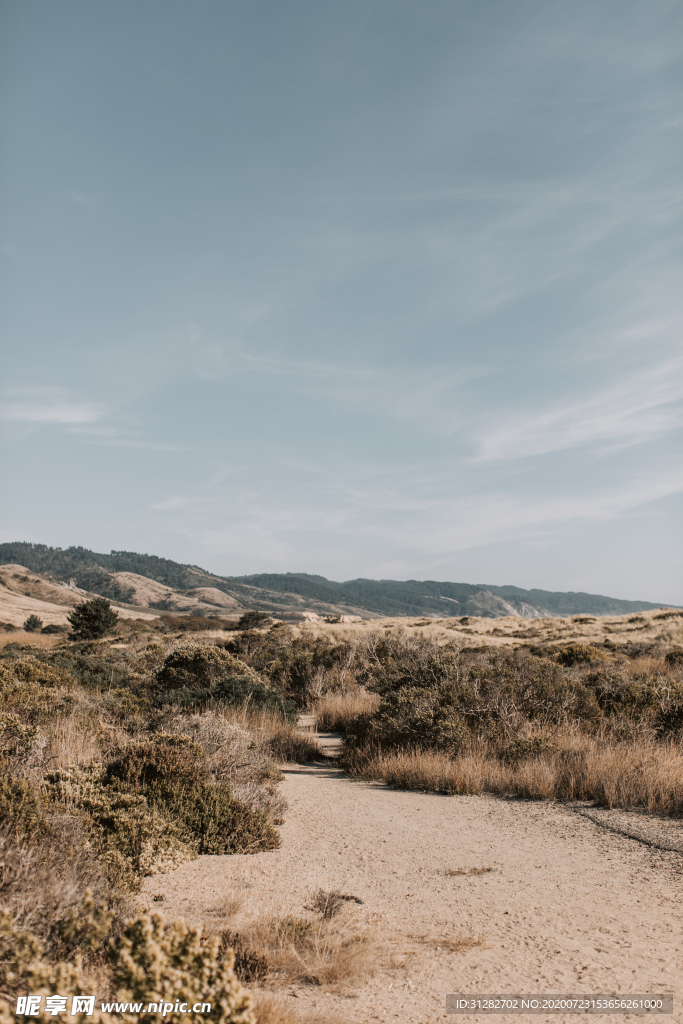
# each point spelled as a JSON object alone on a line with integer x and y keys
{"x": 570, "y": 905}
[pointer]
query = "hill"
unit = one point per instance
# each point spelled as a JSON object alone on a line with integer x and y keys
{"x": 147, "y": 581}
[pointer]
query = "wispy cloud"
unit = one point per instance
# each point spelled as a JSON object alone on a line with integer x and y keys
{"x": 48, "y": 405}
{"x": 640, "y": 408}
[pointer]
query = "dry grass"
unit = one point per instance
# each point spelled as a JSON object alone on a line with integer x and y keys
{"x": 330, "y": 953}
{"x": 638, "y": 773}
{"x": 71, "y": 741}
{"x": 666, "y": 627}
{"x": 335, "y": 712}
{"x": 273, "y": 1009}
{"x": 329, "y": 904}
{"x": 282, "y": 739}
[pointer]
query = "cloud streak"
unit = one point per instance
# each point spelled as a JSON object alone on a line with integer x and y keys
{"x": 48, "y": 406}
{"x": 640, "y": 408}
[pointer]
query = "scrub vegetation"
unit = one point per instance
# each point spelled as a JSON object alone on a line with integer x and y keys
{"x": 125, "y": 756}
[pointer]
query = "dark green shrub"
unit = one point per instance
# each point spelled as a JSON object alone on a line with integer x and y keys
{"x": 254, "y": 620}
{"x": 33, "y": 624}
{"x": 619, "y": 694}
{"x": 92, "y": 620}
{"x": 53, "y": 628}
{"x": 301, "y": 667}
{"x": 194, "y": 667}
{"x": 164, "y": 758}
{"x": 413, "y": 717}
{"x": 90, "y": 671}
{"x": 124, "y": 706}
{"x": 235, "y": 691}
{"x": 211, "y": 816}
{"x": 674, "y": 658}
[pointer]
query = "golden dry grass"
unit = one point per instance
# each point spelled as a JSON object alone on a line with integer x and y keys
{"x": 335, "y": 712}
{"x": 637, "y": 773}
{"x": 273, "y": 1009}
{"x": 661, "y": 625}
{"x": 283, "y": 739}
{"x": 70, "y": 741}
{"x": 330, "y": 953}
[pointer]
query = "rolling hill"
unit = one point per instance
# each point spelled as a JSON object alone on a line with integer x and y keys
{"x": 135, "y": 580}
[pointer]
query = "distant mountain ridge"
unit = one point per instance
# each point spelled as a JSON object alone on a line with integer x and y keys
{"x": 291, "y": 595}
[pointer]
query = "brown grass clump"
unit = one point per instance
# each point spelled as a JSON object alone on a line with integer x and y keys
{"x": 71, "y": 740}
{"x": 329, "y": 953}
{"x": 335, "y": 712}
{"x": 270, "y": 1008}
{"x": 328, "y": 904}
{"x": 282, "y": 739}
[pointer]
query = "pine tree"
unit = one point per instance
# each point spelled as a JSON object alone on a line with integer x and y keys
{"x": 33, "y": 624}
{"x": 93, "y": 619}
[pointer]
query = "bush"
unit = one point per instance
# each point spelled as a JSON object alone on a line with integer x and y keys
{"x": 234, "y": 691}
{"x": 193, "y": 667}
{"x": 92, "y": 620}
{"x": 131, "y": 838}
{"x": 250, "y": 965}
{"x": 149, "y": 962}
{"x": 33, "y": 690}
{"x": 674, "y": 658}
{"x": 580, "y": 654}
{"x": 413, "y": 716}
{"x": 53, "y": 629}
{"x": 171, "y": 773}
{"x": 216, "y": 821}
{"x": 301, "y": 667}
{"x": 165, "y": 758}
{"x": 253, "y": 620}
{"x": 22, "y": 814}
{"x": 153, "y": 963}
{"x": 33, "y": 624}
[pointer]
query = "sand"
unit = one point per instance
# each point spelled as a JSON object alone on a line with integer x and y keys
{"x": 569, "y": 905}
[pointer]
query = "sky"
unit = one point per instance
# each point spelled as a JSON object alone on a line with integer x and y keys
{"x": 380, "y": 288}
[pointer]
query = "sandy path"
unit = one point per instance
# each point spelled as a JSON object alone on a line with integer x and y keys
{"x": 569, "y": 907}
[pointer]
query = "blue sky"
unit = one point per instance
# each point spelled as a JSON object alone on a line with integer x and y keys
{"x": 385, "y": 288}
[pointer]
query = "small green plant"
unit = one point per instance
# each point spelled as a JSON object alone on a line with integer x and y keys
{"x": 33, "y": 624}
{"x": 92, "y": 620}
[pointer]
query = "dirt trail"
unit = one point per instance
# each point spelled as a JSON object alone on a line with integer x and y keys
{"x": 568, "y": 906}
